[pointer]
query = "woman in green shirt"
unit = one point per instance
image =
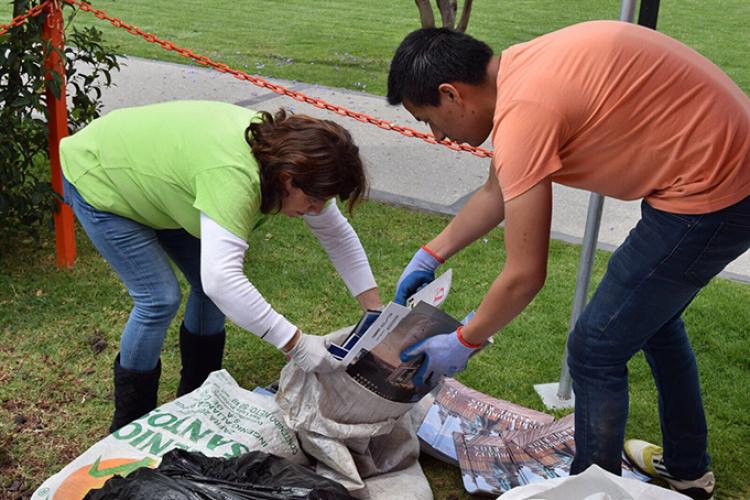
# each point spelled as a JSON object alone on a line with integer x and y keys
{"x": 190, "y": 181}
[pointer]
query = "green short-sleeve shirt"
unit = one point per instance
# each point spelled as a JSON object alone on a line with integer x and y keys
{"x": 163, "y": 164}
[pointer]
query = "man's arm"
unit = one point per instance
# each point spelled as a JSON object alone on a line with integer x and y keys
{"x": 482, "y": 212}
{"x": 527, "y": 228}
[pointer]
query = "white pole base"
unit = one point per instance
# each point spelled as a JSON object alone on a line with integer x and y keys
{"x": 548, "y": 393}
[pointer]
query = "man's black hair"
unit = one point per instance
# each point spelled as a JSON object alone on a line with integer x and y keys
{"x": 431, "y": 56}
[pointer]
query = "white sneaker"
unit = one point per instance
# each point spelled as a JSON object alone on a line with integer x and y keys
{"x": 649, "y": 459}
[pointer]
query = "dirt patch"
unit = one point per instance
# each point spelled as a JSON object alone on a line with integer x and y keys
{"x": 97, "y": 342}
{"x": 29, "y": 427}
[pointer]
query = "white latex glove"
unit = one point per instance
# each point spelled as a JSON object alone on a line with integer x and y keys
{"x": 311, "y": 355}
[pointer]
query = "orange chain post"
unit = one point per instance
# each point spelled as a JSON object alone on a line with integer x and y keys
{"x": 53, "y": 38}
{"x": 19, "y": 20}
{"x": 57, "y": 117}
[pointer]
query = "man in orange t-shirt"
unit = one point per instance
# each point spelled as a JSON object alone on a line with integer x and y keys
{"x": 617, "y": 109}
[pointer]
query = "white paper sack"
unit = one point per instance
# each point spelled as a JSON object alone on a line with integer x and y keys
{"x": 219, "y": 419}
{"x": 592, "y": 484}
{"x": 365, "y": 442}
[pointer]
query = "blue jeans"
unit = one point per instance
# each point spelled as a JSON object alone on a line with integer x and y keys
{"x": 139, "y": 255}
{"x": 650, "y": 280}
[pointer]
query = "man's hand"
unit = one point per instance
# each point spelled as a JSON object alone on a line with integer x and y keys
{"x": 444, "y": 356}
{"x": 310, "y": 352}
{"x": 419, "y": 272}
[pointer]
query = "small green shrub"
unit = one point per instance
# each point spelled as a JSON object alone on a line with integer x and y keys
{"x": 26, "y": 196}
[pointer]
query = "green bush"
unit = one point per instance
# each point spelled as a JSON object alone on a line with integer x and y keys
{"x": 26, "y": 196}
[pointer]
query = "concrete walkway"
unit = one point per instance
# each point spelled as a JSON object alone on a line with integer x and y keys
{"x": 403, "y": 171}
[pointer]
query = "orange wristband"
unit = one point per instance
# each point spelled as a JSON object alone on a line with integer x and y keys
{"x": 437, "y": 257}
{"x": 463, "y": 341}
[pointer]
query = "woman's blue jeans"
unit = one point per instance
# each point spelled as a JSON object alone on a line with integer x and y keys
{"x": 140, "y": 257}
{"x": 650, "y": 280}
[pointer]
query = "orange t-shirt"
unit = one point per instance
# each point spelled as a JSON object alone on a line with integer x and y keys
{"x": 624, "y": 111}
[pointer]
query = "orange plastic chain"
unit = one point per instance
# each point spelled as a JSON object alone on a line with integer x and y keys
{"x": 255, "y": 80}
{"x": 279, "y": 89}
{"x": 19, "y": 20}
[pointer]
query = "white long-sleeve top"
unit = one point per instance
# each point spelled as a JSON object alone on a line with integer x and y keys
{"x": 225, "y": 283}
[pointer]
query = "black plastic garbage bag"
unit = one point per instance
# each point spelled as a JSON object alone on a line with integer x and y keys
{"x": 183, "y": 475}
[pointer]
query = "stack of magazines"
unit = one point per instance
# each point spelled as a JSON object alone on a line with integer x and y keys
{"x": 371, "y": 351}
{"x": 497, "y": 444}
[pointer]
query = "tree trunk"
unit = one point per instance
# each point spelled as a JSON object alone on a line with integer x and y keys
{"x": 425, "y": 13}
{"x": 15, "y": 80}
{"x": 465, "y": 13}
{"x": 448, "y": 12}
{"x": 20, "y": 6}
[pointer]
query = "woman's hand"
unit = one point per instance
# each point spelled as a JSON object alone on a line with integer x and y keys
{"x": 310, "y": 352}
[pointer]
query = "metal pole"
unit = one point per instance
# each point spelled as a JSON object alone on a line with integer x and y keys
{"x": 585, "y": 265}
{"x": 57, "y": 117}
{"x": 563, "y": 397}
{"x": 588, "y": 250}
{"x": 627, "y": 10}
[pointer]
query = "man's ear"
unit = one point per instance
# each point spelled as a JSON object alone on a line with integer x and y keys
{"x": 450, "y": 92}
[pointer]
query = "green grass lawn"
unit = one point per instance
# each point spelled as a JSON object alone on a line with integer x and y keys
{"x": 59, "y": 330}
{"x": 349, "y": 44}
{"x": 59, "y": 333}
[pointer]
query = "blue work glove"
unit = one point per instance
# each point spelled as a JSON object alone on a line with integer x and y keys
{"x": 444, "y": 356}
{"x": 419, "y": 272}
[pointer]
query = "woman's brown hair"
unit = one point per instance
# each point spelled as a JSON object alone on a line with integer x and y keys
{"x": 319, "y": 156}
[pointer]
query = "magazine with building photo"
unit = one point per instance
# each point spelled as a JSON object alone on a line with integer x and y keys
{"x": 381, "y": 369}
{"x": 523, "y": 456}
{"x": 376, "y": 325}
{"x": 551, "y": 445}
{"x": 491, "y": 465}
{"x": 529, "y": 468}
{"x": 458, "y": 408}
{"x": 487, "y": 467}
{"x": 467, "y": 470}
{"x": 554, "y": 447}
{"x": 372, "y": 349}
{"x": 563, "y": 427}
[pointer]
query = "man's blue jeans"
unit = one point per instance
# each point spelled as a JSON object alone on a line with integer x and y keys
{"x": 650, "y": 280}
{"x": 140, "y": 257}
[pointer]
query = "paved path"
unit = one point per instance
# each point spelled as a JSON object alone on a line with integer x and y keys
{"x": 403, "y": 171}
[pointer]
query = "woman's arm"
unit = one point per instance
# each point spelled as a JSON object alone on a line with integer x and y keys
{"x": 344, "y": 249}
{"x": 225, "y": 283}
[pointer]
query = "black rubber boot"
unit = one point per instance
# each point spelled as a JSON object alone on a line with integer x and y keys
{"x": 135, "y": 393}
{"x": 201, "y": 355}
